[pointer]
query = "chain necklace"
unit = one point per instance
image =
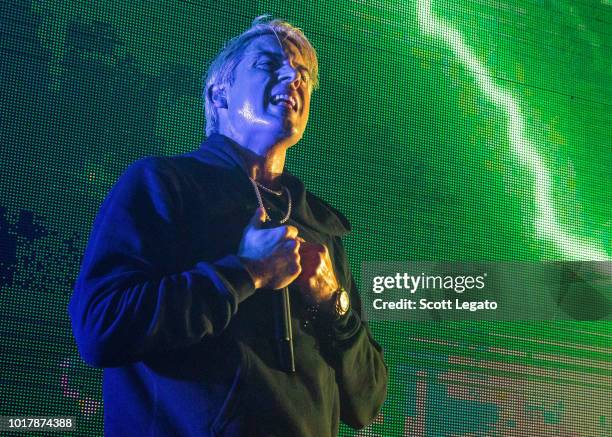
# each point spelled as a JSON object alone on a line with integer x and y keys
{"x": 257, "y": 186}
{"x": 268, "y": 190}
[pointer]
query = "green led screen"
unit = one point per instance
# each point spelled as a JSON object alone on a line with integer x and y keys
{"x": 444, "y": 130}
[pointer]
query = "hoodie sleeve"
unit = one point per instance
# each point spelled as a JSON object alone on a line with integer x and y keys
{"x": 127, "y": 301}
{"x": 361, "y": 372}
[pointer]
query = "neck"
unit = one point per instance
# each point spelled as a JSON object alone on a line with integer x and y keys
{"x": 262, "y": 154}
{"x": 265, "y": 167}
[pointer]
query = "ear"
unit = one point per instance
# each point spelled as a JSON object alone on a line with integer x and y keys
{"x": 216, "y": 94}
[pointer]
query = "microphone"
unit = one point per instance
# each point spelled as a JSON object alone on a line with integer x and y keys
{"x": 282, "y": 323}
{"x": 284, "y": 333}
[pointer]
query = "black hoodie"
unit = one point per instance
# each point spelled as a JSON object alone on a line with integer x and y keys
{"x": 163, "y": 303}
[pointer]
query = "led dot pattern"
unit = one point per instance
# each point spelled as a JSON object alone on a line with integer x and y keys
{"x": 475, "y": 130}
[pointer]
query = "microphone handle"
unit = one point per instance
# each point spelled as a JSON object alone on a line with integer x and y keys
{"x": 282, "y": 316}
{"x": 284, "y": 333}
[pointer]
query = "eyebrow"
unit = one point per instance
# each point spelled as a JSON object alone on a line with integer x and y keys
{"x": 266, "y": 53}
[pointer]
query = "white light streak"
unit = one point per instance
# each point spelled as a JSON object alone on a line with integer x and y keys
{"x": 546, "y": 221}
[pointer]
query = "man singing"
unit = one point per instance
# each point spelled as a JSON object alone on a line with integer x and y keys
{"x": 178, "y": 292}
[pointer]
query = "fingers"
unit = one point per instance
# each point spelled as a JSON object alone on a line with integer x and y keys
{"x": 313, "y": 258}
{"x": 314, "y": 249}
{"x": 296, "y": 266}
{"x": 290, "y": 232}
{"x": 293, "y": 245}
{"x": 297, "y": 269}
{"x": 284, "y": 234}
{"x": 324, "y": 253}
{"x": 258, "y": 218}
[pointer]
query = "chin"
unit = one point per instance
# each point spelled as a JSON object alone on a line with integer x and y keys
{"x": 289, "y": 134}
{"x": 294, "y": 136}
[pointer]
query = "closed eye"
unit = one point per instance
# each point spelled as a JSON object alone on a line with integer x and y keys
{"x": 266, "y": 64}
{"x": 271, "y": 65}
{"x": 305, "y": 75}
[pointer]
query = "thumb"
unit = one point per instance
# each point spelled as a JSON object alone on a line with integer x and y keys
{"x": 258, "y": 218}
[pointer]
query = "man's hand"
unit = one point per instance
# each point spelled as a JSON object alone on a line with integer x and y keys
{"x": 271, "y": 256}
{"x": 317, "y": 282}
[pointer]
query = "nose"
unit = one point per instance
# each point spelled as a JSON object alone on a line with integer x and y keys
{"x": 289, "y": 74}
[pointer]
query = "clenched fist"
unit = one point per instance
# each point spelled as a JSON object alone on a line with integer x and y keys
{"x": 317, "y": 281}
{"x": 271, "y": 256}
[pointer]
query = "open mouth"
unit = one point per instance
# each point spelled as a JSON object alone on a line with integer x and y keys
{"x": 284, "y": 100}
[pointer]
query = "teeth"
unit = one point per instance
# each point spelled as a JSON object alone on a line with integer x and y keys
{"x": 285, "y": 98}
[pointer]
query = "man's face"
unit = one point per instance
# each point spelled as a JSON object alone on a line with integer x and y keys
{"x": 269, "y": 100}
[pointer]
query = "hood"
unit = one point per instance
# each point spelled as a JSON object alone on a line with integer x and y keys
{"x": 308, "y": 209}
